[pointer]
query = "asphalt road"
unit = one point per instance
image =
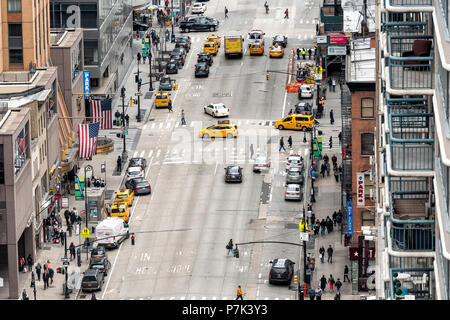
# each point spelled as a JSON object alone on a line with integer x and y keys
{"x": 182, "y": 228}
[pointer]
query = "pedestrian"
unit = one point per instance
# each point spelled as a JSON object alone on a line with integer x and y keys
{"x": 72, "y": 251}
{"x": 290, "y": 112}
{"x": 338, "y": 285}
{"x": 119, "y": 164}
{"x": 239, "y": 293}
{"x": 167, "y": 35}
{"x": 45, "y": 277}
{"x": 309, "y": 53}
{"x": 346, "y": 273}
{"x": 286, "y": 14}
{"x": 326, "y": 159}
{"x": 169, "y": 106}
{"x": 316, "y": 228}
{"x": 336, "y": 173}
{"x": 144, "y": 58}
{"x": 331, "y": 281}
{"x": 304, "y": 53}
{"x": 127, "y": 119}
{"x": 330, "y": 83}
{"x": 319, "y": 294}
{"x": 339, "y": 217}
{"x": 323, "y": 226}
{"x": 63, "y": 237}
{"x": 329, "y": 225}
{"x": 183, "y": 120}
{"x": 323, "y": 169}
{"x": 93, "y": 297}
{"x": 290, "y": 142}
{"x": 282, "y": 145}
{"x": 331, "y": 117}
{"x": 331, "y": 142}
{"x": 38, "y": 271}
{"x": 298, "y": 53}
{"x": 229, "y": 246}
{"x": 340, "y": 137}
{"x": 323, "y": 282}
{"x": 311, "y": 293}
{"x": 67, "y": 215}
{"x": 333, "y": 83}
{"x": 51, "y": 273}
{"x": 321, "y": 253}
{"x": 226, "y": 12}
{"x": 327, "y": 165}
{"x": 25, "y": 295}
{"x": 334, "y": 160}
{"x": 334, "y": 216}
{"x": 330, "y": 254}
{"x": 337, "y": 296}
{"x": 340, "y": 172}
{"x": 30, "y": 263}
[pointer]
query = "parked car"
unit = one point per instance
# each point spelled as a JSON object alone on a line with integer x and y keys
{"x": 293, "y": 192}
{"x": 178, "y": 59}
{"x": 100, "y": 263}
{"x": 295, "y": 175}
{"x": 172, "y": 67}
{"x": 282, "y": 271}
{"x": 137, "y": 162}
{"x": 233, "y": 174}
{"x": 305, "y": 92}
{"x": 134, "y": 172}
{"x": 99, "y": 252}
{"x": 181, "y": 42}
{"x": 217, "y": 110}
{"x": 201, "y": 69}
{"x": 199, "y": 24}
{"x": 303, "y": 108}
{"x": 93, "y": 280}
{"x": 294, "y": 161}
{"x": 198, "y": 7}
{"x": 179, "y": 51}
{"x": 205, "y": 57}
{"x": 261, "y": 163}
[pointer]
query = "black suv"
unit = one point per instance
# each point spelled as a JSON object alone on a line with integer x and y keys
{"x": 93, "y": 280}
{"x": 233, "y": 174}
{"x": 303, "y": 108}
{"x": 179, "y": 51}
{"x": 282, "y": 271}
{"x": 171, "y": 67}
{"x": 183, "y": 42}
{"x": 100, "y": 263}
{"x": 198, "y": 24}
{"x": 178, "y": 59}
{"x": 205, "y": 57}
{"x": 201, "y": 69}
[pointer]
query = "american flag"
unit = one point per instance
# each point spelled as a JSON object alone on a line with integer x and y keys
{"x": 21, "y": 141}
{"x": 87, "y": 137}
{"x": 101, "y": 111}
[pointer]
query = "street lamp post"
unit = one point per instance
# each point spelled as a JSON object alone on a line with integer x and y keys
{"x": 150, "y": 88}
{"x": 172, "y": 36}
{"x": 66, "y": 289}
{"x": 138, "y": 117}
{"x": 124, "y": 152}
{"x": 86, "y": 212}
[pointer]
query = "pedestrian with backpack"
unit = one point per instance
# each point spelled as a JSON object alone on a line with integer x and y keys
{"x": 321, "y": 253}
{"x": 338, "y": 285}
{"x": 229, "y": 246}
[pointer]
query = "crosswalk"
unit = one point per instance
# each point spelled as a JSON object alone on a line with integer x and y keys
{"x": 176, "y": 123}
{"x": 304, "y": 35}
{"x": 200, "y": 297}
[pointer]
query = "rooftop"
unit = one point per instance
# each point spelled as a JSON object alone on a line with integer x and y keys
{"x": 64, "y": 37}
{"x": 361, "y": 61}
{"x": 354, "y": 14}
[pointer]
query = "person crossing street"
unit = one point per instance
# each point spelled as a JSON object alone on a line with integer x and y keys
{"x": 239, "y": 294}
{"x": 282, "y": 145}
{"x": 226, "y": 12}
{"x": 286, "y": 14}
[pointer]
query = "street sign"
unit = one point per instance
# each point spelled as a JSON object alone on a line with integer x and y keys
{"x": 337, "y": 51}
{"x": 85, "y": 233}
{"x": 304, "y": 236}
{"x": 138, "y": 94}
{"x": 65, "y": 259}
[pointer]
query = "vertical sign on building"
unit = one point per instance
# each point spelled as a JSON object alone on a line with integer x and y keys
{"x": 349, "y": 218}
{"x": 360, "y": 190}
{"x": 87, "y": 83}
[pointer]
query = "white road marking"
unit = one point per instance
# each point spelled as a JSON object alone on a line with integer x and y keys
{"x": 145, "y": 126}
{"x": 158, "y": 153}
{"x": 134, "y": 154}
{"x": 153, "y": 125}
{"x": 142, "y": 153}
{"x": 168, "y": 125}
{"x": 160, "y": 125}
{"x": 150, "y": 153}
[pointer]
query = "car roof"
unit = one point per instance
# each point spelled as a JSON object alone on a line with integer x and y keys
{"x": 293, "y": 186}
{"x": 231, "y": 167}
{"x": 294, "y": 156}
{"x": 91, "y": 272}
{"x": 279, "y": 263}
{"x": 201, "y": 63}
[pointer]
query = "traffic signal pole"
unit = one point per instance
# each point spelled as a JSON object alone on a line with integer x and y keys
{"x": 138, "y": 117}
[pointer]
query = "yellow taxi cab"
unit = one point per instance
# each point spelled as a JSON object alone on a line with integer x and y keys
{"x": 256, "y": 48}
{"x": 296, "y": 122}
{"x": 215, "y": 38}
{"x": 211, "y": 47}
{"x": 125, "y": 195}
{"x": 162, "y": 99}
{"x": 223, "y": 129}
{"x": 118, "y": 209}
{"x": 276, "y": 51}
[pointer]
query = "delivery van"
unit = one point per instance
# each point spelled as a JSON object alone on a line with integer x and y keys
{"x": 111, "y": 232}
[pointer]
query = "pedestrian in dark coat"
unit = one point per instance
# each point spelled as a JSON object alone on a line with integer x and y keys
{"x": 336, "y": 173}
{"x": 38, "y": 271}
{"x": 334, "y": 160}
{"x": 30, "y": 263}
{"x": 119, "y": 163}
{"x": 45, "y": 277}
{"x": 321, "y": 253}
{"x": 330, "y": 254}
{"x": 334, "y": 217}
{"x": 323, "y": 282}
{"x": 323, "y": 225}
{"x": 72, "y": 251}
{"x": 312, "y": 293}
{"x": 67, "y": 215}
{"x": 51, "y": 273}
{"x": 93, "y": 297}
{"x": 25, "y": 295}
{"x": 330, "y": 83}
{"x": 290, "y": 142}
{"x": 338, "y": 285}
{"x": 298, "y": 53}
{"x": 127, "y": 119}
{"x": 331, "y": 116}
{"x": 323, "y": 169}
{"x": 346, "y": 273}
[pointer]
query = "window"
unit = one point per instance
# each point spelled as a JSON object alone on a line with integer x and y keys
{"x": 287, "y": 119}
{"x": 367, "y": 144}
{"x": 14, "y": 5}
{"x": 2, "y": 166}
{"x": 21, "y": 149}
{"x": 44, "y": 184}
{"x": 15, "y": 43}
{"x": 368, "y": 218}
{"x": 366, "y": 108}
{"x": 90, "y": 52}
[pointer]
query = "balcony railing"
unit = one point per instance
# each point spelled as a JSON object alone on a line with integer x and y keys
{"x": 410, "y": 3}
{"x": 411, "y": 73}
{"x": 410, "y": 281}
{"x": 413, "y": 236}
{"x": 408, "y": 156}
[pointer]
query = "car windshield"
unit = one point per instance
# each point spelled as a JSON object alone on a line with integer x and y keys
{"x": 89, "y": 278}
{"x": 256, "y": 46}
{"x": 220, "y": 106}
{"x": 294, "y": 161}
{"x": 233, "y": 170}
{"x": 293, "y": 187}
{"x": 209, "y": 45}
{"x": 142, "y": 184}
{"x": 117, "y": 210}
{"x": 134, "y": 173}
{"x": 122, "y": 196}
{"x": 261, "y": 160}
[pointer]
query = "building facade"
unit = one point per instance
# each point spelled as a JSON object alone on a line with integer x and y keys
{"x": 412, "y": 171}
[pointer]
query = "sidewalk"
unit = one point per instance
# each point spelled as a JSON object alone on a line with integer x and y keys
{"x": 328, "y": 200}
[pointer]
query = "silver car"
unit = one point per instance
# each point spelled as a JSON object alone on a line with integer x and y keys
{"x": 261, "y": 163}
{"x": 293, "y": 192}
{"x": 295, "y": 175}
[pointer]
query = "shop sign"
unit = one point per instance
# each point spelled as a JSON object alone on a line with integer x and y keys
{"x": 321, "y": 39}
{"x": 337, "y": 51}
{"x": 360, "y": 190}
{"x": 349, "y": 218}
{"x": 339, "y": 39}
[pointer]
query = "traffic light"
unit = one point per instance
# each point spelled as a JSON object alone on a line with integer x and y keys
{"x": 236, "y": 253}
{"x": 136, "y": 78}
{"x": 122, "y": 92}
{"x": 267, "y": 76}
{"x": 139, "y": 84}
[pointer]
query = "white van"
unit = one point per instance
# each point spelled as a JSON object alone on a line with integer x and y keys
{"x": 305, "y": 92}
{"x": 111, "y": 232}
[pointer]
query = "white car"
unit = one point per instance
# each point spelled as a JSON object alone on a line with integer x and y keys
{"x": 217, "y": 110}
{"x": 294, "y": 161}
{"x": 255, "y": 35}
{"x": 135, "y": 172}
{"x": 305, "y": 92}
{"x": 293, "y": 192}
{"x": 199, "y": 7}
{"x": 261, "y": 163}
